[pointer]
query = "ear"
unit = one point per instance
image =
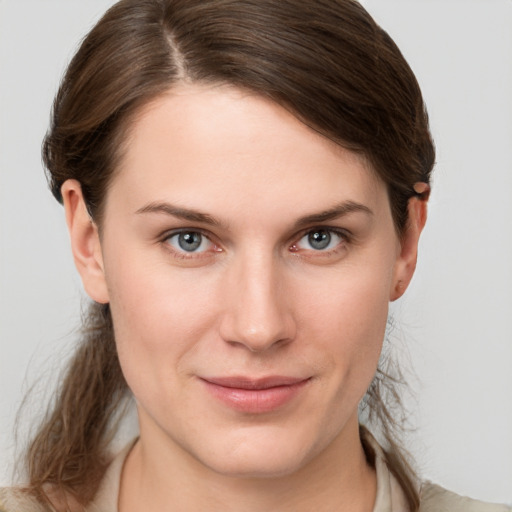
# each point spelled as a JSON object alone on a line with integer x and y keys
{"x": 406, "y": 261}
{"x": 85, "y": 242}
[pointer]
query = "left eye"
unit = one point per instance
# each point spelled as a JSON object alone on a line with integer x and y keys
{"x": 189, "y": 241}
{"x": 320, "y": 240}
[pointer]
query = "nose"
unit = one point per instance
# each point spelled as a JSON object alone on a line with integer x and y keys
{"x": 257, "y": 312}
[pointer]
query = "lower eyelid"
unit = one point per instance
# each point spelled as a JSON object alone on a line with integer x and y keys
{"x": 343, "y": 239}
{"x": 213, "y": 247}
{"x": 182, "y": 254}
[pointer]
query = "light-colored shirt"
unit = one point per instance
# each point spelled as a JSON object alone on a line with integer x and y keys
{"x": 390, "y": 497}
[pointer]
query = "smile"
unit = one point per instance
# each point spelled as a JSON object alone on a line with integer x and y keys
{"x": 255, "y": 396}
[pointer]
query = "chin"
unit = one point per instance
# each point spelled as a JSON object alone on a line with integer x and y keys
{"x": 259, "y": 454}
{"x": 257, "y": 465}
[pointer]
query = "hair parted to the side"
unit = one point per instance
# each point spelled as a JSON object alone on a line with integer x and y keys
{"x": 326, "y": 61}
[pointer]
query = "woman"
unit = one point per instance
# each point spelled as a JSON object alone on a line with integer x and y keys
{"x": 245, "y": 184}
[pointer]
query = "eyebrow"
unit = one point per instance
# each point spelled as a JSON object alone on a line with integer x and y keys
{"x": 339, "y": 210}
{"x": 181, "y": 213}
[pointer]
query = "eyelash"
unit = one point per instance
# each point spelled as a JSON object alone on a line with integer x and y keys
{"x": 344, "y": 236}
{"x": 326, "y": 252}
{"x": 183, "y": 254}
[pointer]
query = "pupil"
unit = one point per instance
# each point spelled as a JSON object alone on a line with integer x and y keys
{"x": 189, "y": 241}
{"x": 319, "y": 239}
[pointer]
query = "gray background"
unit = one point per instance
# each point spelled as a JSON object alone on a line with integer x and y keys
{"x": 455, "y": 323}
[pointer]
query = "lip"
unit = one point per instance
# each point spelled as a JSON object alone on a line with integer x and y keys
{"x": 255, "y": 396}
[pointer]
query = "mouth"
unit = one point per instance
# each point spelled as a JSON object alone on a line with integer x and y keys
{"x": 255, "y": 396}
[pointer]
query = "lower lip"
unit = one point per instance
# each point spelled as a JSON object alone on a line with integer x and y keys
{"x": 255, "y": 401}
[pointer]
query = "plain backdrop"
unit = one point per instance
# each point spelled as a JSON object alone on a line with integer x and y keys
{"x": 454, "y": 325}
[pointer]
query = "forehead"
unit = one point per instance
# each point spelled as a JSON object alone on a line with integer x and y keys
{"x": 212, "y": 145}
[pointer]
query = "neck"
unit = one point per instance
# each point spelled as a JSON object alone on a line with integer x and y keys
{"x": 339, "y": 478}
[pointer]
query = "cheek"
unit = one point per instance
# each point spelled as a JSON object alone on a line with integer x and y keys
{"x": 151, "y": 296}
{"x": 353, "y": 301}
{"x": 347, "y": 323}
{"x": 159, "y": 317}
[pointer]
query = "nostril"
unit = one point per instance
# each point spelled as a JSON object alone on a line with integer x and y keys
{"x": 259, "y": 347}
{"x": 272, "y": 332}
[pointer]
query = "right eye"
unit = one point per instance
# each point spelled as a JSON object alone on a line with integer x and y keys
{"x": 320, "y": 240}
{"x": 189, "y": 242}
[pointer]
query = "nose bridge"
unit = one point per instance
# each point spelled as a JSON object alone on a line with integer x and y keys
{"x": 258, "y": 314}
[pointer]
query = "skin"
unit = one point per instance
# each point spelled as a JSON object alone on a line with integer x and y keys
{"x": 255, "y": 299}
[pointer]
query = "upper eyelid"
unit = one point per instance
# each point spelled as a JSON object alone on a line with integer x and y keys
{"x": 334, "y": 229}
{"x": 176, "y": 231}
{"x": 346, "y": 239}
{"x": 181, "y": 254}
{"x": 343, "y": 232}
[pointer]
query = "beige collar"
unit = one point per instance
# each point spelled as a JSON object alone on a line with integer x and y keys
{"x": 390, "y": 497}
{"x": 108, "y": 493}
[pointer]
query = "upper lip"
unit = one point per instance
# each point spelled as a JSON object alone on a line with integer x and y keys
{"x": 239, "y": 382}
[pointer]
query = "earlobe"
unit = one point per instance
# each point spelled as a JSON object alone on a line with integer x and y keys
{"x": 85, "y": 242}
{"x": 406, "y": 261}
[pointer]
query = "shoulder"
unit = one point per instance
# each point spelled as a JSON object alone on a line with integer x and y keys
{"x": 17, "y": 499}
{"x": 436, "y": 499}
{"x": 13, "y": 499}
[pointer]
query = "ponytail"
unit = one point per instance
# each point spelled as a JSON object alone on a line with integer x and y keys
{"x": 69, "y": 454}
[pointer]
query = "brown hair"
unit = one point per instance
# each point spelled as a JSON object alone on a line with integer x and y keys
{"x": 326, "y": 61}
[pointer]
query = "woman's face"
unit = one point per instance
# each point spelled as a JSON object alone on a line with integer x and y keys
{"x": 248, "y": 263}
